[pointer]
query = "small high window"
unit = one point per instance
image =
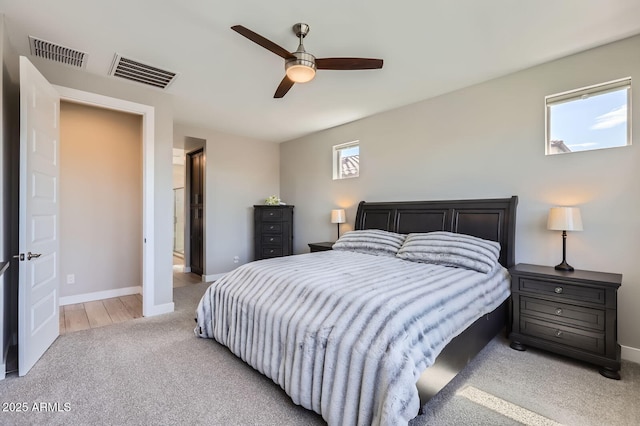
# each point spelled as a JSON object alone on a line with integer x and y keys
{"x": 346, "y": 160}
{"x": 593, "y": 117}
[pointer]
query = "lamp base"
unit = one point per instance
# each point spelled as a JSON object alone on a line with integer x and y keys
{"x": 564, "y": 266}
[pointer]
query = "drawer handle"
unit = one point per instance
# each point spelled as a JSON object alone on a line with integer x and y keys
{"x": 558, "y": 290}
{"x": 270, "y": 213}
{"x": 271, "y": 228}
{"x": 271, "y": 239}
{"x": 558, "y": 333}
{"x": 559, "y": 311}
{"x": 270, "y": 251}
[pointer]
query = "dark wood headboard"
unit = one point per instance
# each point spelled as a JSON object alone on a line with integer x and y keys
{"x": 492, "y": 219}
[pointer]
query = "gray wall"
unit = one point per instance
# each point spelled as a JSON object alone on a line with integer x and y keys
{"x": 488, "y": 141}
{"x": 239, "y": 172}
{"x": 100, "y": 199}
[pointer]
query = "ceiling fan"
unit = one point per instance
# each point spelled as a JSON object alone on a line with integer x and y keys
{"x": 300, "y": 66}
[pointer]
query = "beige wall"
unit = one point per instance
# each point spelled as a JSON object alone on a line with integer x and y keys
{"x": 100, "y": 199}
{"x": 239, "y": 172}
{"x": 162, "y": 236}
{"x": 488, "y": 141}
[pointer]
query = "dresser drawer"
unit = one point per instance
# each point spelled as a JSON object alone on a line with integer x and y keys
{"x": 563, "y": 313}
{"x": 271, "y": 239}
{"x": 268, "y": 252}
{"x": 564, "y": 335}
{"x": 272, "y": 214}
{"x": 563, "y": 290}
{"x": 271, "y": 228}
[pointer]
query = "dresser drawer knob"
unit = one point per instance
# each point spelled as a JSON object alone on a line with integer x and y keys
{"x": 558, "y": 333}
{"x": 271, "y": 228}
{"x": 559, "y": 311}
{"x": 271, "y": 239}
{"x": 558, "y": 290}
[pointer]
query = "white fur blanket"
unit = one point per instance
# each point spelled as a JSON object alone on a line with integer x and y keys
{"x": 346, "y": 334}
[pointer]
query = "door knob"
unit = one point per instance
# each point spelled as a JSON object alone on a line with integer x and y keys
{"x": 33, "y": 255}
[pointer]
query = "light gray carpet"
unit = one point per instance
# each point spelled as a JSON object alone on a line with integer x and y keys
{"x": 155, "y": 371}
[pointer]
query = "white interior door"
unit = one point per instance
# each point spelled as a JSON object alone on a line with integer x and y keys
{"x": 38, "y": 324}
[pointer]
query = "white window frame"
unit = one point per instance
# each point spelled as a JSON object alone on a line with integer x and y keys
{"x": 337, "y": 157}
{"x": 582, "y": 93}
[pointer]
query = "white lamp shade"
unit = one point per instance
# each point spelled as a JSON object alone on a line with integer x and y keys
{"x": 564, "y": 219}
{"x": 338, "y": 216}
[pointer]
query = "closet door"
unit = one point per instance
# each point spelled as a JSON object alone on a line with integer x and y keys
{"x": 196, "y": 210}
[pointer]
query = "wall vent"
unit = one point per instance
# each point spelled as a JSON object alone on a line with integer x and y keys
{"x": 141, "y": 73}
{"x": 55, "y": 52}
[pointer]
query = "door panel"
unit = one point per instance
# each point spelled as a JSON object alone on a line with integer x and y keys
{"x": 39, "y": 276}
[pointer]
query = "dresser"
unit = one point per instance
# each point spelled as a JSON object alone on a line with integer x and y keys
{"x": 273, "y": 231}
{"x": 569, "y": 313}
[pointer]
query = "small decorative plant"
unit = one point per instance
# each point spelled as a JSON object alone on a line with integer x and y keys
{"x": 273, "y": 200}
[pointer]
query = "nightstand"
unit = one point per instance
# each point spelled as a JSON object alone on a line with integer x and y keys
{"x": 324, "y": 246}
{"x": 569, "y": 313}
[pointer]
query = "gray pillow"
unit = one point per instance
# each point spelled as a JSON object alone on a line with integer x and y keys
{"x": 451, "y": 249}
{"x": 371, "y": 241}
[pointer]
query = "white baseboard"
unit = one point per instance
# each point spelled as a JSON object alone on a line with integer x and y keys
{"x": 213, "y": 277}
{"x": 186, "y": 269}
{"x": 160, "y": 309}
{"x": 99, "y": 295}
{"x": 630, "y": 354}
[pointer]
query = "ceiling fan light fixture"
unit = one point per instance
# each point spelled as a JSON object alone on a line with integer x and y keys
{"x": 299, "y": 73}
{"x": 302, "y": 68}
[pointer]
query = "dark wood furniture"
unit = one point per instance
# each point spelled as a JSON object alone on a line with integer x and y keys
{"x": 569, "y": 313}
{"x": 324, "y": 246}
{"x": 273, "y": 231}
{"x": 491, "y": 219}
{"x": 195, "y": 167}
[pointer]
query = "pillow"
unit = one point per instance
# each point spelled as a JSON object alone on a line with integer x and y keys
{"x": 450, "y": 249}
{"x": 371, "y": 241}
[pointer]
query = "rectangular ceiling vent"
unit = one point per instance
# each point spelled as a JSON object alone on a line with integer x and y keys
{"x": 141, "y": 73}
{"x": 55, "y": 52}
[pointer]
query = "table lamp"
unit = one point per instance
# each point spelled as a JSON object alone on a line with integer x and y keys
{"x": 564, "y": 219}
{"x": 338, "y": 216}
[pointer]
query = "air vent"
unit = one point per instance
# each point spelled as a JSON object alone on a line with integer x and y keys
{"x": 141, "y": 73}
{"x": 55, "y": 52}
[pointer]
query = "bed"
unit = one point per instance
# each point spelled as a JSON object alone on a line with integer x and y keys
{"x": 365, "y": 337}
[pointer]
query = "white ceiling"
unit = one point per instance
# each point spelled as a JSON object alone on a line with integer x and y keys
{"x": 227, "y": 82}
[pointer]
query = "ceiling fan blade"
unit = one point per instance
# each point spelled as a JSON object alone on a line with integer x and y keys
{"x": 348, "y": 63}
{"x": 284, "y": 87}
{"x": 258, "y": 39}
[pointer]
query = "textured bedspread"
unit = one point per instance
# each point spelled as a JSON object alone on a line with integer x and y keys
{"x": 346, "y": 334}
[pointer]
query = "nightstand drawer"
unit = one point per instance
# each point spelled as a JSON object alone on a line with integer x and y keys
{"x": 559, "y": 334}
{"x": 563, "y": 313}
{"x": 273, "y": 239}
{"x": 563, "y": 290}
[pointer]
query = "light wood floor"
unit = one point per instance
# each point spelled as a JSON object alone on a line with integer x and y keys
{"x": 99, "y": 313}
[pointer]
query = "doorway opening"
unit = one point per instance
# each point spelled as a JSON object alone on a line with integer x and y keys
{"x": 100, "y": 216}
{"x": 147, "y": 113}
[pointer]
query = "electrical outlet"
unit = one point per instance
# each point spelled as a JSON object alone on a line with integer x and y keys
{"x": 71, "y": 279}
{"x": 236, "y": 259}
